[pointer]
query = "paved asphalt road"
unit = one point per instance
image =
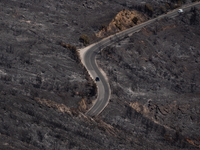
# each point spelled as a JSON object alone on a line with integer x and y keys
{"x": 104, "y": 91}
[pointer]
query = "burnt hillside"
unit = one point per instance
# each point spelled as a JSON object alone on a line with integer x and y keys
{"x": 44, "y": 89}
{"x": 157, "y": 73}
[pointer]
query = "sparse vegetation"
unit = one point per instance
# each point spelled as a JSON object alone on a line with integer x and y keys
{"x": 84, "y": 39}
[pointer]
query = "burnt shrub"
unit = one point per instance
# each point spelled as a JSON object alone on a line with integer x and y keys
{"x": 73, "y": 49}
{"x": 24, "y": 56}
{"x": 179, "y": 1}
{"x": 167, "y": 5}
{"x": 162, "y": 9}
{"x": 149, "y": 9}
{"x": 74, "y": 111}
{"x": 103, "y": 27}
{"x": 135, "y": 20}
{"x": 84, "y": 39}
{"x": 194, "y": 20}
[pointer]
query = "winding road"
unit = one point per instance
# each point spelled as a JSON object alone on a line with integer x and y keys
{"x": 88, "y": 55}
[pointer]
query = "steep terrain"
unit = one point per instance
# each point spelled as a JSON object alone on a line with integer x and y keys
{"x": 157, "y": 73}
{"x": 44, "y": 89}
{"x": 33, "y": 62}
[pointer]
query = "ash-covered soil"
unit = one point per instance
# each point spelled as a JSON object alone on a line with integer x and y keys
{"x": 33, "y": 63}
{"x": 43, "y": 86}
{"x": 155, "y": 82}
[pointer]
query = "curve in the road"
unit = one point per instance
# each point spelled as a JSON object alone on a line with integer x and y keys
{"x": 88, "y": 59}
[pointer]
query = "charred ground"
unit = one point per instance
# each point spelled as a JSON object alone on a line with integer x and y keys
{"x": 157, "y": 71}
{"x": 43, "y": 86}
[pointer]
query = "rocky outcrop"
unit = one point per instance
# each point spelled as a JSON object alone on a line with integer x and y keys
{"x": 43, "y": 87}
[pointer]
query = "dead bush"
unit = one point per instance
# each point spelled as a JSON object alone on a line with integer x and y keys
{"x": 149, "y": 9}
{"x": 135, "y": 20}
{"x": 103, "y": 27}
{"x": 167, "y": 6}
{"x": 179, "y": 1}
{"x": 84, "y": 39}
{"x": 163, "y": 9}
{"x": 74, "y": 111}
{"x": 73, "y": 49}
